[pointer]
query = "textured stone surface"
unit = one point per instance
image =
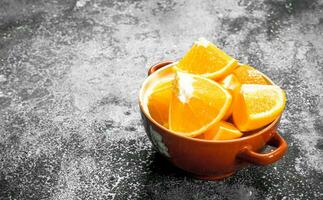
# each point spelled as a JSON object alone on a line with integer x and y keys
{"x": 70, "y": 72}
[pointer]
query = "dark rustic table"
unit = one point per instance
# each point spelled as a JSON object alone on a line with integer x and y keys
{"x": 70, "y": 72}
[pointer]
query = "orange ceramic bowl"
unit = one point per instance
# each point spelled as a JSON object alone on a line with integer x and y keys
{"x": 208, "y": 159}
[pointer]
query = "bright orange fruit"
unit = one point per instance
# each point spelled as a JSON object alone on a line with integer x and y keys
{"x": 257, "y": 106}
{"x": 158, "y": 101}
{"x": 249, "y": 75}
{"x": 197, "y": 103}
{"x": 204, "y": 58}
{"x": 232, "y": 84}
{"x": 221, "y": 131}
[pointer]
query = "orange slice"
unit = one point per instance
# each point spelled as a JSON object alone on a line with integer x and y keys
{"x": 221, "y": 131}
{"x": 204, "y": 58}
{"x": 257, "y": 106}
{"x": 232, "y": 84}
{"x": 158, "y": 101}
{"x": 249, "y": 75}
{"x": 197, "y": 103}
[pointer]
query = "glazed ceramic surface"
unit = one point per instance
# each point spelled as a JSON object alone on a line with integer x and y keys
{"x": 207, "y": 159}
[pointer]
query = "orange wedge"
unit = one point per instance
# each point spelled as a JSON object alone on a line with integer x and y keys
{"x": 249, "y": 75}
{"x": 257, "y": 106}
{"x": 197, "y": 103}
{"x": 204, "y": 58}
{"x": 221, "y": 131}
{"x": 232, "y": 84}
{"x": 158, "y": 101}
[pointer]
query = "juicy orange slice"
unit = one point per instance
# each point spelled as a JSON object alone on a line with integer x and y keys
{"x": 158, "y": 101}
{"x": 257, "y": 106}
{"x": 249, "y": 75}
{"x": 197, "y": 103}
{"x": 206, "y": 59}
{"x": 232, "y": 84}
{"x": 221, "y": 131}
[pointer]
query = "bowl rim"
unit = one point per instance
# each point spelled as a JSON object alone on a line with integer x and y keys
{"x": 256, "y": 134}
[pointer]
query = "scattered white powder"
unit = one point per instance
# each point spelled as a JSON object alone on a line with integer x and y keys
{"x": 185, "y": 87}
{"x": 81, "y": 3}
{"x": 2, "y": 78}
{"x": 202, "y": 42}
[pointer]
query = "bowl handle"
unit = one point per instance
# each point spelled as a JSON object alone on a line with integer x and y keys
{"x": 266, "y": 158}
{"x": 159, "y": 65}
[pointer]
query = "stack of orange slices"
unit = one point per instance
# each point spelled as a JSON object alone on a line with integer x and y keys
{"x": 212, "y": 97}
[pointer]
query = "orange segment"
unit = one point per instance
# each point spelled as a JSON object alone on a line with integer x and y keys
{"x": 158, "y": 101}
{"x": 197, "y": 103}
{"x": 206, "y": 59}
{"x": 257, "y": 106}
{"x": 232, "y": 84}
{"x": 221, "y": 131}
{"x": 249, "y": 75}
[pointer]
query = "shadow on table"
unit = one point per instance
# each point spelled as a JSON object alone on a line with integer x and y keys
{"x": 251, "y": 175}
{"x": 165, "y": 181}
{"x": 161, "y": 166}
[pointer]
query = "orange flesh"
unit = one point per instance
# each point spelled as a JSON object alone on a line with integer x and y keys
{"x": 202, "y": 108}
{"x": 193, "y": 105}
{"x": 232, "y": 84}
{"x": 249, "y": 75}
{"x": 158, "y": 101}
{"x": 221, "y": 131}
{"x": 257, "y": 106}
{"x": 206, "y": 59}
